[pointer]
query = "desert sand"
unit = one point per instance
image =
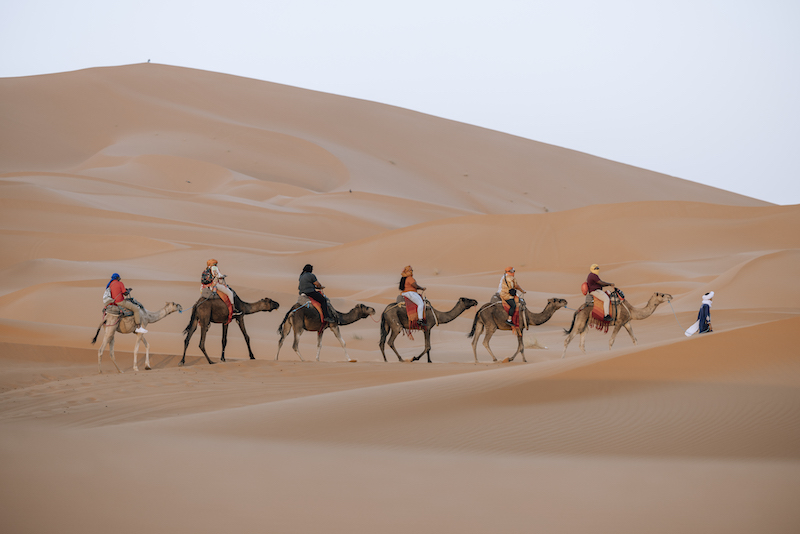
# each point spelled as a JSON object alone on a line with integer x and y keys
{"x": 149, "y": 170}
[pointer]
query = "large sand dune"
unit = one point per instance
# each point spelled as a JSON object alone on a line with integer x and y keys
{"x": 149, "y": 170}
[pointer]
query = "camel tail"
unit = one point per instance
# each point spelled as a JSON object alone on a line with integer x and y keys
{"x": 474, "y": 324}
{"x": 286, "y": 318}
{"x": 191, "y": 320}
{"x": 94, "y": 339}
{"x": 384, "y": 330}
{"x": 568, "y": 332}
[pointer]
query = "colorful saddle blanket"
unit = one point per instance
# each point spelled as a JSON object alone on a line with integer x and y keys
{"x": 506, "y": 307}
{"x": 412, "y": 310}
{"x": 304, "y": 300}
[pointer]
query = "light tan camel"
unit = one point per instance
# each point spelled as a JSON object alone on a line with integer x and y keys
{"x": 395, "y": 319}
{"x": 492, "y": 317}
{"x": 125, "y": 325}
{"x": 626, "y": 313}
{"x": 305, "y": 317}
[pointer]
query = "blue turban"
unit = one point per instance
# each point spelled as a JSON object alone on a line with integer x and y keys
{"x": 114, "y": 276}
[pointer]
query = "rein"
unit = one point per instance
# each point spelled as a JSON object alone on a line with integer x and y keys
{"x": 676, "y": 315}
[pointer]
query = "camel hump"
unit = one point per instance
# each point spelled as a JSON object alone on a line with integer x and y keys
{"x": 495, "y": 298}
{"x": 303, "y": 299}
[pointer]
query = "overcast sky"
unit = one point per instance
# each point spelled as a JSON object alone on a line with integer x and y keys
{"x": 703, "y": 90}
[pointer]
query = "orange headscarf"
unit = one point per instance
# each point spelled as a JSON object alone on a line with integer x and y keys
{"x": 509, "y": 269}
{"x": 211, "y": 262}
{"x": 407, "y": 271}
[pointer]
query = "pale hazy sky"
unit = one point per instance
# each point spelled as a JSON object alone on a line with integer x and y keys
{"x": 703, "y": 90}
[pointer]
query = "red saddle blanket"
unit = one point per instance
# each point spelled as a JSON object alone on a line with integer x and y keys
{"x": 318, "y": 306}
{"x": 514, "y": 319}
{"x": 411, "y": 311}
{"x": 597, "y": 311}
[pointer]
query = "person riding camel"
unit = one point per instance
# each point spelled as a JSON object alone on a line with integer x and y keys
{"x": 121, "y": 298}
{"x": 409, "y": 288}
{"x": 508, "y": 290}
{"x": 595, "y": 287}
{"x": 217, "y": 284}
{"x": 309, "y": 285}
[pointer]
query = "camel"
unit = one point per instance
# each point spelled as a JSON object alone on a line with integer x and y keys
{"x": 626, "y": 312}
{"x": 395, "y": 318}
{"x": 125, "y": 325}
{"x": 492, "y": 317}
{"x": 305, "y": 317}
{"x": 214, "y": 310}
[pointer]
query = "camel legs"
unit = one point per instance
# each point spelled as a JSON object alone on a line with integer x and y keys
{"x": 520, "y": 348}
{"x": 296, "y": 343}
{"x": 224, "y": 341}
{"x": 489, "y": 333}
{"x": 189, "y": 332}
{"x": 392, "y": 336}
{"x": 139, "y": 339}
{"x": 579, "y": 326}
{"x": 427, "y": 348}
{"x": 478, "y": 331}
{"x": 337, "y": 332}
{"x": 319, "y": 342}
{"x": 240, "y": 322}
{"x": 203, "y": 331}
{"x": 284, "y": 331}
{"x": 298, "y": 327}
{"x": 108, "y": 337}
{"x": 616, "y": 331}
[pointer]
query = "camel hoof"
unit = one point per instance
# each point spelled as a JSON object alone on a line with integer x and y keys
{"x": 136, "y": 369}
{"x": 148, "y": 368}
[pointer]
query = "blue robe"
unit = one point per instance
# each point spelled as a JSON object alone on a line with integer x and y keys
{"x": 704, "y": 318}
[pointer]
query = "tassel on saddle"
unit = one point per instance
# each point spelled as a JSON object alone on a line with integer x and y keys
{"x": 597, "y": 317}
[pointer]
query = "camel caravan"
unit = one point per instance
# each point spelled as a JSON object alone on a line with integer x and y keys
{"x": 411, "y": 313}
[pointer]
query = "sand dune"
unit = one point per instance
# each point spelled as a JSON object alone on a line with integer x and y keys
{"x": 149, "y": 170}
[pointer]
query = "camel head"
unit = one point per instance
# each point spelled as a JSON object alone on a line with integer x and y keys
{"x": 662, "y": 297}
{"x": 266, "y": 304}
{"x": 364, "y": 311}
{"x": 468, "y": 303}
{"x": 558, "y": 303}
{"x": 172, "y": 307}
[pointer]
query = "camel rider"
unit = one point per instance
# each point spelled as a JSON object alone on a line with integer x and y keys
{"x": 410, "y": 289}
{"x": 219, "y": 285}
{"x": 596, "y": 289}
{"x": 508, "y": 292}
{"x": 309, "y": 285}
{"x": 120, "y": 295}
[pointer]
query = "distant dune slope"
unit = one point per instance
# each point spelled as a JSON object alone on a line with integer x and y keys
{"x": 149, "y": 170}
{"x": 150, "y": 124}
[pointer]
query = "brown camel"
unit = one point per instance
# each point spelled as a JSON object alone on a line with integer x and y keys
{"x": 214, "y": 310}
{"x": 625, "y": 313}
{"x": 125, "y": 325}
{"x": 492, "y": 317}
{"x": 304, "y": 316}
{"x": 395, "y": 318}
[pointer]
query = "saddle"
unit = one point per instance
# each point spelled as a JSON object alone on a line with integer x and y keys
{"x": 113, "y": 309}
{"x": 304, "y": 301}
{"x": 597, "y": 318}
{"x": 515, "y": 319}
{"x": 411, "y": 311}
{"x": 207, "y": 293}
